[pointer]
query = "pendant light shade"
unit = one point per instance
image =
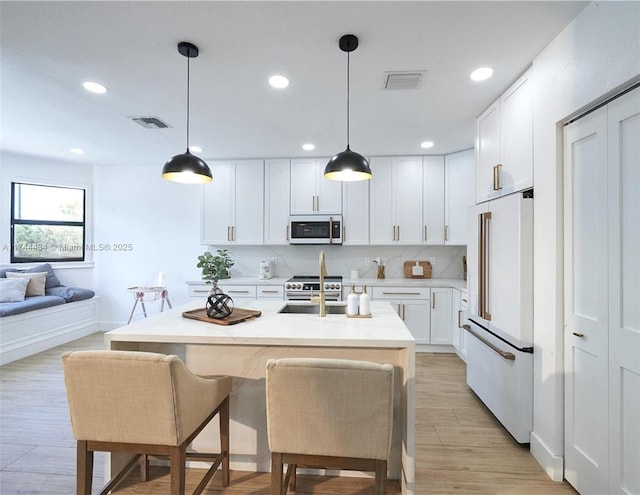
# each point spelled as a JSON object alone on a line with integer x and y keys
{"x": 187, "y": 168}
{"x": 348, "y": 165}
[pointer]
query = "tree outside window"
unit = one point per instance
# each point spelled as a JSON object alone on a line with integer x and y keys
{"x": 47, "y": 223}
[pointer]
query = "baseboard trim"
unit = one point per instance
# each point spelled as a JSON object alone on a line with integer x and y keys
{"x": 552, "y": 464}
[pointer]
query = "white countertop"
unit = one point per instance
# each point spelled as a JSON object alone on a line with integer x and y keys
{"x": 383, "y": 329}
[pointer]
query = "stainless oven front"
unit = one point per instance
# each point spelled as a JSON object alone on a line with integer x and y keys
{"x": 304, "y": 288}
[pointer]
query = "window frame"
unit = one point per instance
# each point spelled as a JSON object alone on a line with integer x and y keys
{"x": 14, "y": 221}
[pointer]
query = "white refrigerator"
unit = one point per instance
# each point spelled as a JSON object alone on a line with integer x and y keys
{"x": 500, "y": 313}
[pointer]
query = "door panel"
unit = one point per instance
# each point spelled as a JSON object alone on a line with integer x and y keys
{"x": 586, "y": 345}
{"x": 624, "y": 292}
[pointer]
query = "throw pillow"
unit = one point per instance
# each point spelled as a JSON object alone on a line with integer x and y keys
{"x": 36, "y": 283}
{"x": 13, "y": 289}
{"x": 52, "y": 280}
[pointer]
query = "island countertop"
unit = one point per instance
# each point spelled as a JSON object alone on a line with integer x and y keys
{"x": 383, "y": 329}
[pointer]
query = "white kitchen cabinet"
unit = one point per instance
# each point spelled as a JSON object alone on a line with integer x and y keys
{"x": 237, "y": 291}
{"x": 276, "y": 201}
{"x": 459, "y": 307}
{"x": 504, "y": 143}
{"x": 441, "y": 329}
{"x": 412, "y": 305}
{"x": 355, "y": 216}
{"x": 459, "y": 186}
{"x": 232, "y": 205}
{"x": 311, "y": 193}
{"x": 396, "y": 201}
{"x": 433, "y": 188}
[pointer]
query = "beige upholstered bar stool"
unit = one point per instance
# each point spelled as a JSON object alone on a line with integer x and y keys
{"x": 145, "y": 404}
{"x": 328, "y": 413}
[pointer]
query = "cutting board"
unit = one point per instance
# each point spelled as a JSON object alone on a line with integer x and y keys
{"x": 238, "y": 315}
{"x": 426, "y": 269}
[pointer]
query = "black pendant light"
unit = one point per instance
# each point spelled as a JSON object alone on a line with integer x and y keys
{"x": 187, "y": 168}
{"x": 348, "y": 165}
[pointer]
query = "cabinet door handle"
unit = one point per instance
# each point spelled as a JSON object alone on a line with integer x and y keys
{"x": 459, "y": 321}
{"x": 425, "y": 232}
{"x": 446, "y": 232}
{"x": 269, "y": 291}
{"x": 344, "y": 233}
{"x": 433, "y": 301}
{"x": 398, "y": 233}
{"x": 233, "y": 232}
{"x": 287, "y": 233}
{"x": 317, "y": 203}
{"x": 228, "y": 233}
{"x": 497, "y": 169}
{"x": 400, "y": 293}
{"x": 201, "y": 291}
{"x": 238, "y": 291}
{"x": 577, "y": 334}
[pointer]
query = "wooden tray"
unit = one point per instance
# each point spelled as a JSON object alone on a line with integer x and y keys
{"x": 237, "y": 316}
{"x": 426, "y": 269}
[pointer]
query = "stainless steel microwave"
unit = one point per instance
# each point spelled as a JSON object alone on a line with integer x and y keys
{"x": 315, "y": 229}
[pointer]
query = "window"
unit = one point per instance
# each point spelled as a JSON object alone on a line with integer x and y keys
{"x": 47, "y": 223}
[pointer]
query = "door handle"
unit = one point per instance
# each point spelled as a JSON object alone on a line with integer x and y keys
{"x": 577, "y": 334}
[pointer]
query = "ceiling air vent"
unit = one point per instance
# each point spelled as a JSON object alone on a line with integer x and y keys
{"x": 403, "y": 80}
{"x": 150, "y": 122}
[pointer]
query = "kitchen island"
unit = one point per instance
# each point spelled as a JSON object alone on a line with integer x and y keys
{"x": 242, "y": 350}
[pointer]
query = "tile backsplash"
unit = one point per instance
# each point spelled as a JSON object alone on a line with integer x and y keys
{"x": 303, "y": 260}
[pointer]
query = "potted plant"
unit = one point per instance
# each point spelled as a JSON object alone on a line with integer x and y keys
{"x": 216, "y": 267}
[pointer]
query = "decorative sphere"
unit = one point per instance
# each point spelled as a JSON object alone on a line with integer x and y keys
{"x": 219, "y": 305}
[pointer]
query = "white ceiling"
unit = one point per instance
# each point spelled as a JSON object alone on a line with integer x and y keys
{"x": 50, "y": 48}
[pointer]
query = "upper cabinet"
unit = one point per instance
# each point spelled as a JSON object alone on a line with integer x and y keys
{"x": 434, "y": 198}
{"x": 233, "y": 203}
{"x": 311, "y": 193}
{"x": 459, "y": 183}
{"x": 355, "y": 216}
{"x": 396, "y": 200}
{"x": 276, "y": 201}
{"x": 504, "y": 143}
{"x": 448, "y": 185}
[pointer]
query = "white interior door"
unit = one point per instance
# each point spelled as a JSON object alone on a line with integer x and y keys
{"x": 586, "y": 318}
{"x": 624, "y": 292}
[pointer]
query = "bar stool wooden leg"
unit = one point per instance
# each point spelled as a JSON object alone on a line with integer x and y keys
{"x": 84, "y": 468}
{"x": 224, "y": 440}
{"x": 276, "y": 474}
{"x": 178, "y": 458}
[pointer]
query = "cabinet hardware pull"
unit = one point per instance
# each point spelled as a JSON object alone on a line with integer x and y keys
{"x": 344, "y": 234}
{"x": 577, "y": 334}
{"x": 317, "y": 203}
{"x": 398, "y": 227}
{"x": 238, "y": 291}
{"x": 506, "y": 355}
{"x": 459, "y": 321}
{"x": 269, "y": 291}
{"x": 433, "y": 301}
{"x": 446, "y": 232}
{"x": 497, "y": 169}
{"x": 425, "y": 232}
{"x": 200, "y": 291}
{"x": 401, "y": 293}
{"x": 483, "y": 254}
{"x": 233, "y": 233}
{"x": 228, "y": 233}
{"x": 287, "y": 233}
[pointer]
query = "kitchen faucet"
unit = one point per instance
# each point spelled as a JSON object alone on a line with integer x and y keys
{"x": 321, "y": 298}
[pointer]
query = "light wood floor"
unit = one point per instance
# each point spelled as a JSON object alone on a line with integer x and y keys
{"x": 461, "y": 448}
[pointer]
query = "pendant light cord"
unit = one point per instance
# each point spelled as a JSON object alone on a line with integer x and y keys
{"x": 188, "y": 86}
{"x": 348, "y": 53}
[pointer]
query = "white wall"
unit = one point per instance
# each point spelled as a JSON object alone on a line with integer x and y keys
{"x": 21, "y": 168}
{"x": 596, "y": 54}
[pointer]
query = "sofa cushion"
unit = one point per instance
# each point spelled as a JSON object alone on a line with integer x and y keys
{"x": 3, "y": 271}
{"x": 29, "y": 304}
{"x": 13, "y": 289}
{"x": 52, "y": 280}
{"x": 70, "y": 294}
{"x": 36, "y": 282}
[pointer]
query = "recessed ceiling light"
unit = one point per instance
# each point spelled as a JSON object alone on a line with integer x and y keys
{"x": 94, "y": 87}
{"x": 308, "y": 147}
{"x": 426, "y": 144}
{"x": 77, "y": 151}
{"x": 279, "y": 81}
{"x": 482, "y": 74}
{"x": 195, "y": 149}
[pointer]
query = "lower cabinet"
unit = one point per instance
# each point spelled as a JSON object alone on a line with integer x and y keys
{"x": 458, "y": 334}
{"x": 412, "y": 305}
{"x": 239, "y": 292}
{"x": 441, "y": 316}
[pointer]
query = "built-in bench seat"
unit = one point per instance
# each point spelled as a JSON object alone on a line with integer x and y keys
{"x": 40, "y": 322}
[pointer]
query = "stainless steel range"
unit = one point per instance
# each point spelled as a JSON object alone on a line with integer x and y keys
{"x": 302, "y": 287}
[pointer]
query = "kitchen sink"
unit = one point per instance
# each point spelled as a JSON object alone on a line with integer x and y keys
{"x": 312, "y": 309}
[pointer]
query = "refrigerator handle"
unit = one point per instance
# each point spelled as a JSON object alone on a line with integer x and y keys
{"x": 483, "y": 260}
{"x": 510, "y": 356}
